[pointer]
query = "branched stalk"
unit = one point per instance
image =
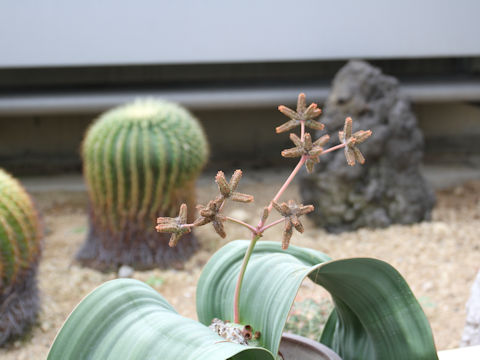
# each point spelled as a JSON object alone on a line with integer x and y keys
{"x": 257, "y": 233}
{"x": 261, "y": 227}
{"x": 308, "y": 151}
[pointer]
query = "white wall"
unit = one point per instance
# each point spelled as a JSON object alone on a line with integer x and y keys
{"x": 103, "y": 32}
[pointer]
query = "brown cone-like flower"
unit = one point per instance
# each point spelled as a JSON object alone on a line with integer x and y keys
{"x": 352, "y": 153}
{"x": 291, "y": 212}
{"x": 306, "y": 147}
{"x": 211, "y": 214}
{"x": 227, "y": 190}
{"x": 174, "y": 225}
{"x": 303, "y": 113}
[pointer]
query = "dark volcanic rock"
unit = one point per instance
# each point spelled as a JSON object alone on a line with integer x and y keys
{"x": 388, "y": 188}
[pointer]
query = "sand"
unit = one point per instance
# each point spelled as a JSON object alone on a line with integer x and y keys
{"x": 439, "y": 259}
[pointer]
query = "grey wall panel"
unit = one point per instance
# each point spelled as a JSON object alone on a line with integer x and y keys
{"x": 104, "y": 32}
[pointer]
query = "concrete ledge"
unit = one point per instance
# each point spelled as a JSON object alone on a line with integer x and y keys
{"x": 440, "y": 177}
{"x": 217, "y": 98}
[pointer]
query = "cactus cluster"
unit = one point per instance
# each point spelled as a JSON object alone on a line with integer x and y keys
{"x": 20, "y": 247}
{"x": 140, "y": 162}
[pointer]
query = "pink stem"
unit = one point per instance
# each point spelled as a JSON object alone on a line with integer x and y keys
{"x": 250, "y": 227}
{"x": 261, "y": 230}
{"x": 333, "y": 148}
{"x": 288, "y": 181}
{"x": 284, "y": 186}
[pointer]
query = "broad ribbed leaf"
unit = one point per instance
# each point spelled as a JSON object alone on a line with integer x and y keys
{"x": 126, "y": 319}
{"x": 376, "y": 315}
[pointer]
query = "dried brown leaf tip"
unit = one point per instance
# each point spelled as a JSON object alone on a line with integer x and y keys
{"x": 303, "y": 113}
{"x": 227, "y": 190}
{"x": 175, "y": 226}
{"x": 211, "y": 214}
{"x": 308, "y": 148}
{"x": 291, "y": 212}
{"x": 352, "y": 153}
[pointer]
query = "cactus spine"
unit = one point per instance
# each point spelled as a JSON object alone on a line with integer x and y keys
{"x": 20, "y": 240}
{"x": 140, "y": 162}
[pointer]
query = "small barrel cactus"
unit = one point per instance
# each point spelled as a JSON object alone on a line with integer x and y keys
{"x": 20, "y": 242}
{"x": 140, "y": 162}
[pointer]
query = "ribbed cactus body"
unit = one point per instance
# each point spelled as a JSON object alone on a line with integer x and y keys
{"x": 140, "y": 162}
{"x": 20, "y": 240}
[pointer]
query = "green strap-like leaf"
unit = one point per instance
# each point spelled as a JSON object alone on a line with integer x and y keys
{"x": 126, "y": 319}
{"x": 375, "y": 310}
{"x": 376, "y": 315}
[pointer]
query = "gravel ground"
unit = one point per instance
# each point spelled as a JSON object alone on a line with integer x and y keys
{"x": 439, "y": 259}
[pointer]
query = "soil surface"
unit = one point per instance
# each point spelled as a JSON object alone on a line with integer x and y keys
{"x": 439, "y": 259}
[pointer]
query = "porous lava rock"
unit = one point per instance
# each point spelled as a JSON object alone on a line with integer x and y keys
{"x": 389, "y": 188}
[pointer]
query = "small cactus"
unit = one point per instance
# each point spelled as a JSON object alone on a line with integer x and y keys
{"x": 140, "y": 162}
{"x": 20, "y": 242}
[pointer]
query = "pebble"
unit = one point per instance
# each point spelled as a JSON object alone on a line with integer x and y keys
{"x": 428, "y": 285}
{"x": 45, "y": 326}
{"x": 440, "y": 228}
{"x": 125, "y": 271}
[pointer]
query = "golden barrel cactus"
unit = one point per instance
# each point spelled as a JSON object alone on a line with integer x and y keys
{"x": 140, "y": 162}
{"x": 20, "y": 247}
